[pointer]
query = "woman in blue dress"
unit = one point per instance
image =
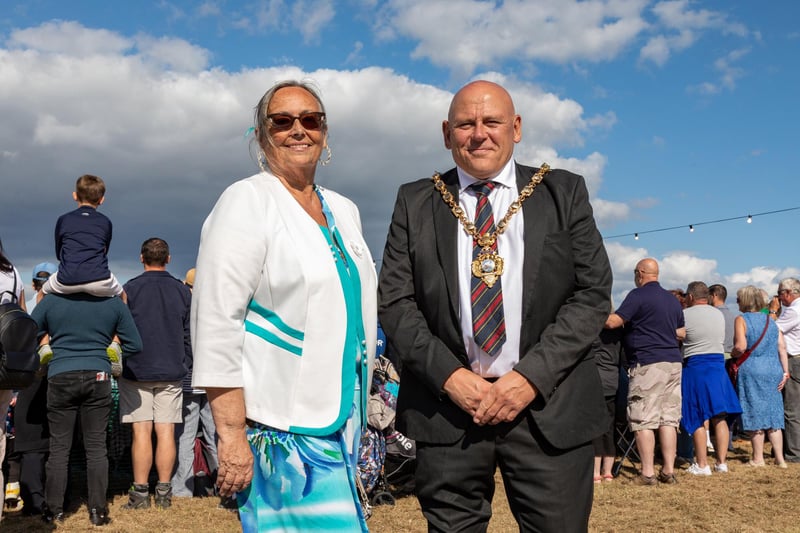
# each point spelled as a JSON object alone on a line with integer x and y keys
{"x": 762, "y": 375}
{"x": 284, "y": 328}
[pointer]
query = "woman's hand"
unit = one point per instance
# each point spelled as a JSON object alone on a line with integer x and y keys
{"x": 783, "y": 381}
{"x": 234, "y": 453}
{"x": 235, "y": 465}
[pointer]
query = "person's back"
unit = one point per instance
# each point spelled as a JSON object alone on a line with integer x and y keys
{"x": 652, "y": 315}
{"x": 81, "y": 326}
{"x": 160, "y": 305}
{"x": 82, "y": 240}
{"x": 83, "y": 237}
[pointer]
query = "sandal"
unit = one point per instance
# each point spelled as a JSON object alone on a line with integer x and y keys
{"x": 754, "y": 463}
{"x": 598, "y": 479}
{"x": 608, "y": 477}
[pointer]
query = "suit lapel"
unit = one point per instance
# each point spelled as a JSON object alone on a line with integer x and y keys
{"x": 445, "y": 228}
{"x": 534, "y": 240}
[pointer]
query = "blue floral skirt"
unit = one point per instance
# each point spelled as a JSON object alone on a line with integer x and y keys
{"x": 303, "y": 483}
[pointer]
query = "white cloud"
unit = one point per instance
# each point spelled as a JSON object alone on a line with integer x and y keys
{"x": 677, "y": 27}
{"x": 466, "y": 34}
{"x": 69, "y": 38}
{"x": 168, "y": 141}
{"x": 208, "y": 9}
{"x": 172, "y": 54}
{"x": 311, "y": 16}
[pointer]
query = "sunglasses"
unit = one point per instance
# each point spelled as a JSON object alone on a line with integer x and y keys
{"x": 309, "y": 121}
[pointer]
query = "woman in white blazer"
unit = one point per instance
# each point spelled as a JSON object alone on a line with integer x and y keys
{"x": 284, "y": 326}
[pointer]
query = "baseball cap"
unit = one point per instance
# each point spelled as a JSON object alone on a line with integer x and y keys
{"x": 50, "y": 268}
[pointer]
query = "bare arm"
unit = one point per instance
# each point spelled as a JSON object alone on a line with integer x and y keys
{"x": 235, "y": 456}
{"x": 739, "y": 337}
{"x": 784, "y": 357}
{"x": 22, "y": 300}
{"x": 614, "y": 321}
{"x": 680, "y": 334}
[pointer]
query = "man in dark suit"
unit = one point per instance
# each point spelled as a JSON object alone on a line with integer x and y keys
{"x": 493, "y": 324}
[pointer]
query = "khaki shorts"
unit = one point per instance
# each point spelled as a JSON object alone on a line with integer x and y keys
{"x": 157, "y": 401}
{"x": 654, "y": 396}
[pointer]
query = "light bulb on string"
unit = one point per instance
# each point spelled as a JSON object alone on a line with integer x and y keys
{"x": 749, "y": 219}
{"x": 636, "y": 236}
{"x": 691, "y": 228}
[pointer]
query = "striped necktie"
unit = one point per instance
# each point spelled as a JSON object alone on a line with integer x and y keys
{"x": 488, "y": 322}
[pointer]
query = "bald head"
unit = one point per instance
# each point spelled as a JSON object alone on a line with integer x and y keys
{"x": 646, "y": 271}
{"x": 482, "y": 128}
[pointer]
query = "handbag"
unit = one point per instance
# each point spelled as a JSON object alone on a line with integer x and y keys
{"x": 18, "y": 339}
{"x": 732, "y": 365}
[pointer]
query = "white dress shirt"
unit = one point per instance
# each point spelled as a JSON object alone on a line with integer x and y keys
{"x": 511, "y": 247}
{"x": 789, "y": 324}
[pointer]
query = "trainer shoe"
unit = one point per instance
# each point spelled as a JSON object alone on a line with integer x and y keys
{"x": 667, "y": 479}
{"x": 99, "y": 517}
{"x": 163, "y": 498}
{"x": 722, "y": 468}
{"x": 138, "y": 497}
{"x": 645, "y": 481}
{"x": 12, "y": 500}
{"x": 695, "y": 470}
{"x": 114, "y": 352}
{"x": 45, "y": 354}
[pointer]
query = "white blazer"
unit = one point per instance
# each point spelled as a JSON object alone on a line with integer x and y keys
{"x": 268, "y": 310}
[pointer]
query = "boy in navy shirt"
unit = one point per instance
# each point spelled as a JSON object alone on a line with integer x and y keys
{"x": 83, "y": 237}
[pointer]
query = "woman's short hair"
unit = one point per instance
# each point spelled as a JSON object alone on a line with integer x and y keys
{"x": 750, "y": 299}
{"x": 789, "y": 284}
{"x": 261, "y": 134}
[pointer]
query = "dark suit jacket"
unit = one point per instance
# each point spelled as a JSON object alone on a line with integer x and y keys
{"x": 567, "y": 284}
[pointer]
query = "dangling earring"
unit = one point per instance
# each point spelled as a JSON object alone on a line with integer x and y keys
{"x": 327, "y": 159}
{"x": 262, "y": 162}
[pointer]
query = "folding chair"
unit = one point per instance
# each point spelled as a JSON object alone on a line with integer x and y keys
{"x": 625, "y": 439}
{"x": 626, "y": 446}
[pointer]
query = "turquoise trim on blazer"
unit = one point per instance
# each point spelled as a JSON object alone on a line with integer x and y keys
{"x": 272, "y": 317}
{"x": 355, "y": 338}
{"x": 271, "y": 338}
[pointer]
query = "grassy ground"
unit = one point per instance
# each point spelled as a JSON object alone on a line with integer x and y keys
{"x": 744, "y": 500}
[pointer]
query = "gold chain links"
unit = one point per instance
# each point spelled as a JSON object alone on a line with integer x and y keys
{"x": 488, "y": 240}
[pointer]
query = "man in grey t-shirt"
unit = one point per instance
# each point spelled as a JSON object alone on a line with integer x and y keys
{"x": 717, "y": 294}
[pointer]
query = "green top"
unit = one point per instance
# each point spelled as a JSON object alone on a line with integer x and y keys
{"x": 81, "y": 326}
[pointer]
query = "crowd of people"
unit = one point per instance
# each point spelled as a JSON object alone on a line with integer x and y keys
{"x": 495, "y": 295}
{"x": 673, "y": 346}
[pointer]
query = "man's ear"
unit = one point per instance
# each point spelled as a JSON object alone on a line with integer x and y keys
{"x": 446, "y": 133}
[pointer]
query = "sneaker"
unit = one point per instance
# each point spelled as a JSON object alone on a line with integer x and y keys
{"x": 645, "y": 481}
{"x": 163, "y": 498}
{"x": 99, "y": 517}
{"x": 52, "y": 518}
{"x": 722, "y": 468}
{"x": 229, "y": 504}
{"x": 667, "y": 479}
{"x": 12, "y": 500}
{"x": 45, "y": 354}
{"x": 695, "y": 470}
{"x": 114, "y": 352}
{"x": 138, "y": 497}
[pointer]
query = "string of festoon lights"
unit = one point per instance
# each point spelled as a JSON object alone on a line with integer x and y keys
{"x": 749, "y": 218}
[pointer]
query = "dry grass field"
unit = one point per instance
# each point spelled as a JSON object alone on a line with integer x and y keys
{"x": 744, "y": 500}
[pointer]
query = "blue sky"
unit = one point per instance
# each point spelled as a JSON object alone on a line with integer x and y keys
{"x": 677, "y": 112}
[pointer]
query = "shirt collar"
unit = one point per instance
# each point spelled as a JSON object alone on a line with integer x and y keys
{"x": 507, "y": 177}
